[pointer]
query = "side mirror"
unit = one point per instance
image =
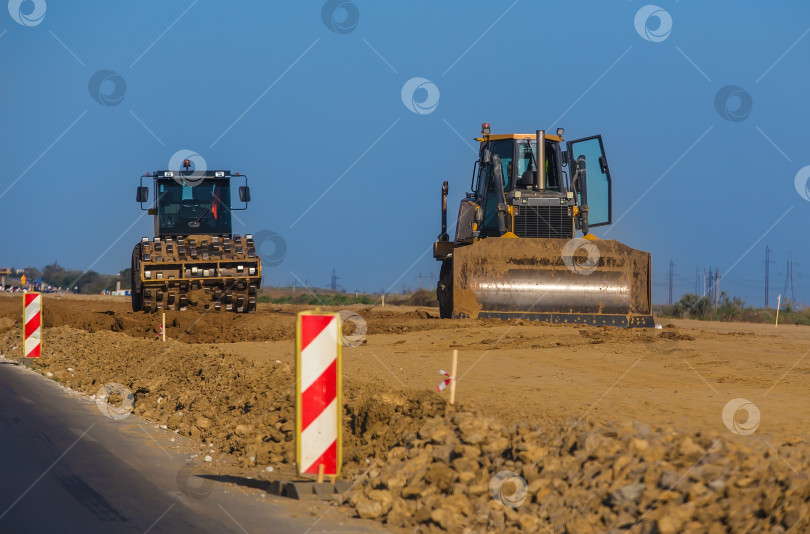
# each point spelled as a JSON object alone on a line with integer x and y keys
{"x": 142, "y": 195}
{"x": 244, "y": 193}
{"x": 603, "y": 164}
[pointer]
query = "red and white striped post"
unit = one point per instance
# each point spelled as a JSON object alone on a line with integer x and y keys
{"x": 318, "y": 394}
{"x": 32, "y": 324}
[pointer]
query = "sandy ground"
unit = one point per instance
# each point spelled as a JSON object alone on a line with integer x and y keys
{"x": 676, "y": 378}
{"x": 681, "y": 375}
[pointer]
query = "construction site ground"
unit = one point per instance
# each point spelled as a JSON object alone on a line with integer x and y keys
{"x": 227, "y": 381}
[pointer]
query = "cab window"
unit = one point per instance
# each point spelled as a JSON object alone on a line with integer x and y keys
{"x": 198, "y": 209}
{"x": 527, "y": 155}
{"x": 503, "y": 149}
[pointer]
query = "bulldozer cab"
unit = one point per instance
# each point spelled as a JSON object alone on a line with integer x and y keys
{"x": 518, "y": 167}
{"x": 507, "y": 168}
{"x": 192, "y": 204}
{"x": 509, "y": 165}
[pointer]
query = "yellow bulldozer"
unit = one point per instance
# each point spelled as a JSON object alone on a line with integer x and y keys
{"x": 194, "y": 260}
{"x": 516, "y": 253}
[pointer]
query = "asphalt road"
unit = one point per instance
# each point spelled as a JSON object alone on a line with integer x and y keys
{"x": 65, "y": 467}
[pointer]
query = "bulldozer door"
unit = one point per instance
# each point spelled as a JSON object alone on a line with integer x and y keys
{"x": 597, "y": 178}
{"x": 492, "y": 192}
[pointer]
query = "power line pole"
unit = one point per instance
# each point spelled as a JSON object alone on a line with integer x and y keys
{"x": 716, "y": 289}
{"x": 710, "y": 285}
{"x": 704, "y": 281}
{"x": 669, "y": 288}
{"x": 768, "y": 262}
{"x": 792, "y": 288}
{"x": 335, "y": 278}
{"x": 791, "y": 299}
{"x": 697, "y": 279}
{"x": 422, "y": 278}
{"x": 790, "y": 274}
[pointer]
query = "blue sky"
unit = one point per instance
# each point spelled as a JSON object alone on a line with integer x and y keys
{"x": 268, "y": 89}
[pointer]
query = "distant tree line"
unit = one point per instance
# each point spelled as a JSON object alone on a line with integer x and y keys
{"x": 696, "y": 307}
{"x": 85, "y": 282}
{"x": 733, "y": 309}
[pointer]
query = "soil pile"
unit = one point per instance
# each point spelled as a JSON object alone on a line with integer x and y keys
{"x": 272, "y": 322}
{"x": 212, "y": 395}
{"x": 465, "y": 473}
{"x": 416, "y": 462}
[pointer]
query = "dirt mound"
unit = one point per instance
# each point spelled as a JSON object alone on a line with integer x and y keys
{"x": 417, "y": 462}
{"x": 423, "y": 297}
{"x": 96, "y": 315}
{"x": 244, "y": 409}
{"x": 272, "y": 322}
{"x": 377, "y": 418}
{"x": 6, "y": 323}
{"x": 201, "y": 391}
{"x": 466, "y": 473}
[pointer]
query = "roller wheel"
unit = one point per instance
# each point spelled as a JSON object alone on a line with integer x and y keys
{"x": 444, "y": 289}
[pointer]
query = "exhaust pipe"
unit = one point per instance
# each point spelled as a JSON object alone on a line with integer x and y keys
{"x": 540, "y": 184}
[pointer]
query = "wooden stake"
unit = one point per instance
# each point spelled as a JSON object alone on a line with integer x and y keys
{"x": 778, "y": 303}
{"x": 163, "y": 329}
{"x": 320, "y": 473}
{"x": 453, "y": 371}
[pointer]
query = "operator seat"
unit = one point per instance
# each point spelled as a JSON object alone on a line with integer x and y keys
{"x": 528, "y": 179}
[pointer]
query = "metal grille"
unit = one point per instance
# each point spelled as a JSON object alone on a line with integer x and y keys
{"x": 544, "y": 222}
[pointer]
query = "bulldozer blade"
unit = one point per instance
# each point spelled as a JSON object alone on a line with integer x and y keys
{"x": 597, "y": 282}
